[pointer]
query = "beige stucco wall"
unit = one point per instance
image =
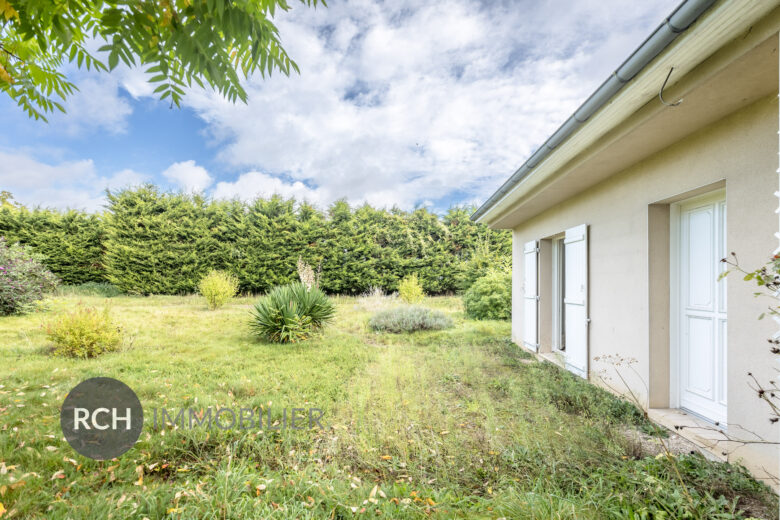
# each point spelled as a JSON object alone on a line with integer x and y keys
{"x": 741, "y": 149}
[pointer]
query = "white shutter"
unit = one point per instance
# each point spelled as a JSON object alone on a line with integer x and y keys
{"x": 530, "y": 295}
{"x": 575, "y": 299}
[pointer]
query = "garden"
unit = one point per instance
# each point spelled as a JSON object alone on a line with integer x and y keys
{"x": 428, "y": 409}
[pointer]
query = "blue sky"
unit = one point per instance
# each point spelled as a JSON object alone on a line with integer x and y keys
{"x": 398, "y": 103}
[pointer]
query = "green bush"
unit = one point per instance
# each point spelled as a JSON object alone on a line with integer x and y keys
{"x": 410, "y": 289}
{"x": 23, "y": 279}
{"x": 291, "y": 313}
{"x": 218, "y": 287}
{"x": 409, "y": 318}
{"x": 84, "y": 333}
{"x": 490, "y": 297}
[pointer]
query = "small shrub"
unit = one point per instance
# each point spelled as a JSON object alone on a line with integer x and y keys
{"x": 84, "y": 333}
{"x": 23, "y": 279}
{"x": 490, "y": 297}
{"x": 410, "y": 289}
{"x": 291, "y": 313}
{"x": 218, "y": 287}
{"x": 409, "y": 319}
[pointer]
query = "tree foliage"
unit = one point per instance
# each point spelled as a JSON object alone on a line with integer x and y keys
{"x": 153, "y": 242}
{"x": 177, "y": 42}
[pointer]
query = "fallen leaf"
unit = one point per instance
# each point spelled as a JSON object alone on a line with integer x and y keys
{"x": 59, "y": 474}
{"x": 2, "y": 509}
{"x": 386, "y": 457}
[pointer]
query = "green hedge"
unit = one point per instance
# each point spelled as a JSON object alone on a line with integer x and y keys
{"x": 71, "y": 242}
{"x": 154, "y": 242}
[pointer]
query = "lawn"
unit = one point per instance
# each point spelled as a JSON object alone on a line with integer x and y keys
{"x": 453, "y": 423}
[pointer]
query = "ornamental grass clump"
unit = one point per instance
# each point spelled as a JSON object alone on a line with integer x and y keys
{"x": 409, "y": 318}
{"x": 218, "y": 287}
{"x": 23, "y": 279}
{"x": 84, "y": 333}
{"x": 291, "y": 313}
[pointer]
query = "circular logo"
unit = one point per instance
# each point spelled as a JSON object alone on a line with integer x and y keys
{"x": 101, "y": 418}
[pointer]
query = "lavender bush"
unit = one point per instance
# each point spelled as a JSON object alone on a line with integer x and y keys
{"x": 23, "y": 278}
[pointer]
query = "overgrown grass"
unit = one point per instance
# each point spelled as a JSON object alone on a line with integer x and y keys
{"x": 449, "y": 423}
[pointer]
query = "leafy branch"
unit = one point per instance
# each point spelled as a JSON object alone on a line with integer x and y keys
{"x": 211, "y": 43}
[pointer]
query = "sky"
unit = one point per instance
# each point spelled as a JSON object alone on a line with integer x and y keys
{"x": 398, "y": 103}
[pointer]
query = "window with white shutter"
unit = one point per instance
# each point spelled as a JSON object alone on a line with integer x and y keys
{"x": 575, "y": 299}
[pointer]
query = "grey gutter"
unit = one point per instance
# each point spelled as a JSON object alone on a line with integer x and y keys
{"x": 681, "y": 18}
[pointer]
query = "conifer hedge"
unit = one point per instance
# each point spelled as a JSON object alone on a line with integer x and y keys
{"x": 154, "y": 242}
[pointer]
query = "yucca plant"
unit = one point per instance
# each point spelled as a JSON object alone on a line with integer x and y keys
{"x": 291, "y": 313}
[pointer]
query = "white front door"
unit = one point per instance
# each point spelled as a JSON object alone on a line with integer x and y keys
{"x": 702, "y": 307}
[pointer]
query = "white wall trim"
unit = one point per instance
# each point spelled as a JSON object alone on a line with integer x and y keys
{"x": 674, "y": 304}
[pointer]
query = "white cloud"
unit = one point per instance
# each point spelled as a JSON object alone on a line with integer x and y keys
{"x": 404, "y": 102}
{"x": 96, "y": 106}
{"x": 256, "y": 184}
{"x": 65, "y": 184}
{"x": 188, "y": 176}
{"x": 126, "y": 179}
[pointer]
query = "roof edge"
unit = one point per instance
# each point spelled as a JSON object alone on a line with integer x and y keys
{"x": 675, "y": 24}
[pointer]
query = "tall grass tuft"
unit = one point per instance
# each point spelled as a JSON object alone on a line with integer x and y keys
{"x": 103, "y": 289}
{"x": 375, "y": 298}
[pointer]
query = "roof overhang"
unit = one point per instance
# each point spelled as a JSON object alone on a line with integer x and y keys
{"x": 726, "y": 60}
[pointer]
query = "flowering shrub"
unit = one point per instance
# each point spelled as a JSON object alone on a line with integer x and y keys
{"x": 84, "y": 333}
{"x": 23, "y": 279}
{"x": 307, "y": 275}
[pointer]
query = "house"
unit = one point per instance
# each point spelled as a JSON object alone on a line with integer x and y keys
{"x": 621, "y": 218}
